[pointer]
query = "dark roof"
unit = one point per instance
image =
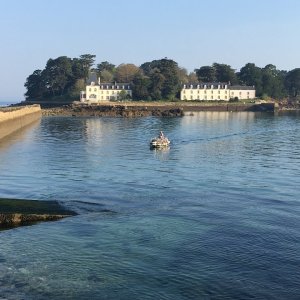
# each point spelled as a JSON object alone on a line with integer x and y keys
{"x": 208, "y": 84}
{"x": 110, "y": 85}
{"x": 242, "y": 87}
{"x": 216, "y": 84}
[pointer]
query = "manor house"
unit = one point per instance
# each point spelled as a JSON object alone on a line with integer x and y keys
{"x": 97, "y": 92}
{"x": 214, "y": 91}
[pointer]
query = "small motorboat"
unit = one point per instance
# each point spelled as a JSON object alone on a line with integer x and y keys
{"x": 160, "y": 142}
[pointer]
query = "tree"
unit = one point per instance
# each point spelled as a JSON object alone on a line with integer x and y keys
{"x": 164, "y": 76}
{"x": 292, "y": 82}
{"x": 206, "y": 74}
{"x": 106, "y": 76}
{"x": 58, "y": 74}
{"x": 140, "y": 87}
{"x": 34, "y": 85}
{"x": 192, "y": 77}
{"x": 106, "y": 71}
{"x": 126, "y": 72}
{"x": 224, "y": 73}
{"x": 105, "y": 66}
{"x": 182, "y": 75}
{"x": 251, "y": 75}
{"x": 272, "y": 81}
{"x": 87, "y": 61}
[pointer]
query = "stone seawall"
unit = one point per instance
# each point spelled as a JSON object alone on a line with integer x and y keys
{"x": 15, "y": 118}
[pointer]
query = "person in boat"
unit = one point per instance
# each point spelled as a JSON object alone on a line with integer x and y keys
{"x": 161, "y": 135}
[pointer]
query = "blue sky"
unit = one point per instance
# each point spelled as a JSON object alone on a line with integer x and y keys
{"x": 192, "y": 32}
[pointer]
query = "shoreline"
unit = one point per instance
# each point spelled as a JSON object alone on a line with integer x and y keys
{"x": 145, "y": 109}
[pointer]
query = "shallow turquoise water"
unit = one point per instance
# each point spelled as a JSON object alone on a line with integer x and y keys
{"x": 214, "y": 217}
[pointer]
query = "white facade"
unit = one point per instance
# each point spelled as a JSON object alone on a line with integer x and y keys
{"x": 105, "y": 92}
{"x": 216, "y": 91}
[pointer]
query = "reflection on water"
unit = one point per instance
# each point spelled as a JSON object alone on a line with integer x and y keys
{"x": 20, "y": 135}
{"x": 215, "y": 216}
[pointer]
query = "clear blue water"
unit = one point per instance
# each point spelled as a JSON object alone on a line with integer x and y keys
{"x": 217, "y": 216}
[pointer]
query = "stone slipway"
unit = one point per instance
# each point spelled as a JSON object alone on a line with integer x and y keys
{"x": 15, "y": 118}
{"x": 16, "y": 212}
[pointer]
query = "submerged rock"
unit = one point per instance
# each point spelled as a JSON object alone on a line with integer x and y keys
{"x": 16, "y": 212}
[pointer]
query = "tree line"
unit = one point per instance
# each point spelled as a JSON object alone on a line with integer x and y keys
{"x": 64, "y": 78}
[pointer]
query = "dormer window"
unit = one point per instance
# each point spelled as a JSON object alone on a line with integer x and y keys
{"x": 212, "y": 86}
{"x": 184, "y": 86}
{"x": 191, "y": 86}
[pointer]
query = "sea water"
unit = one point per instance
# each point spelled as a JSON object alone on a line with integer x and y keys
{"x": 215, "y": 216}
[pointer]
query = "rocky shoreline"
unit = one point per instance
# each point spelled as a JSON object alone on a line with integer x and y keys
{"x": 134, "y": 109}
{"x": 123, "y": 111}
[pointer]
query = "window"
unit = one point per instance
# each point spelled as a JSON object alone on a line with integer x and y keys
{"x": 205, "y": 97}
{"x": 212, "y": 97}
{"x": 95, "y": 89}
{"x": 219, "y": 92}
{"x": 107, "y": 97}
{"x": 90, "y": 89}
{"x": 184, "y": 91}
{"x": 204, "y": 92}
{"x": 219, "y": 97}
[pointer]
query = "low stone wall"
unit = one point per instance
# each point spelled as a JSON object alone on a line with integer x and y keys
{"x": 15, "y": 118}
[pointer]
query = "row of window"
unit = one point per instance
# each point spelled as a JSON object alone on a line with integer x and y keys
{"x": 93, "y": 96}
{"x": 219, "y": 92}
{"x": 207, "y": 98}
{"x": 220, "y": 86}
{"x": 107, "y": 92}
{"x": 111, "y": 88}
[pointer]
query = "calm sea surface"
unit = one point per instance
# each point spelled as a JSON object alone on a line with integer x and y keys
{"x": 217, "y": 216}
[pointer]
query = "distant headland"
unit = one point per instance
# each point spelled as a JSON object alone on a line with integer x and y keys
{"x": 64, "y": 79}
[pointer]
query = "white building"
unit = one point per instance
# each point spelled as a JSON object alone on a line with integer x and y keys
{"x": 97, "y": 92}
{"x": 213, "y": 91}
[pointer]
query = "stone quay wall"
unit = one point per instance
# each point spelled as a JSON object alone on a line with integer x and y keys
{"x": 15, "y": 118}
